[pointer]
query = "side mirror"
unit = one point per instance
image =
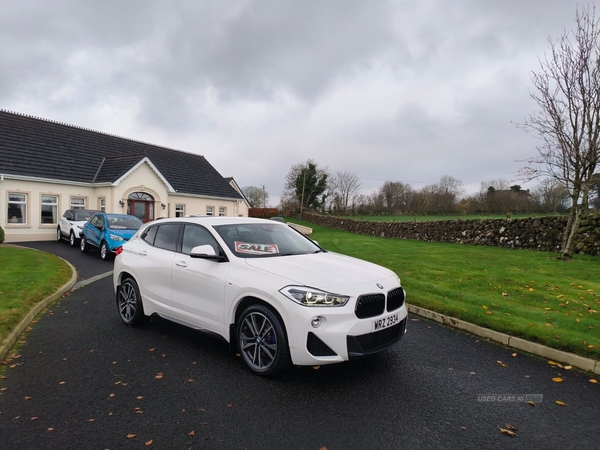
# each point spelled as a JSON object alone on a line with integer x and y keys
{"x": 205, "y": 252}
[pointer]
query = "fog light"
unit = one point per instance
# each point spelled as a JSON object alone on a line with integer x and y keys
{"x": 316, "y": 321}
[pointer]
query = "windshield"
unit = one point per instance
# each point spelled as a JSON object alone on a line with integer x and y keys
{"x": 265, "y": 240}
{"x": 123, "y": 222}
{"x": 83, "y": 215}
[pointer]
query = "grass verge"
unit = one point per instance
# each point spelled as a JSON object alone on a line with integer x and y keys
{"x": 527, "y": 294}
{"x": 26, "y": 277}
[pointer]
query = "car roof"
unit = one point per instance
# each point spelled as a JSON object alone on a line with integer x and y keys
{"x": 219, "y": 220}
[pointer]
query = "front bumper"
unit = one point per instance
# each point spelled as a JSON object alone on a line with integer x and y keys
{"x": 341, "y": 335}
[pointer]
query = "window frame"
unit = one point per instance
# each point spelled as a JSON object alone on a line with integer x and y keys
{"x": 25, "y": 210}
{"x": 55, "y": 205}
{"x": 212, "y": 211}
{"x": 179, "y": 208}
{"x": 223, "y": 209}
{"x": 77, "y": 206}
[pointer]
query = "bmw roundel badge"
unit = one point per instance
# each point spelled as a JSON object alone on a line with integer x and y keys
{"x": 379, "y": 286}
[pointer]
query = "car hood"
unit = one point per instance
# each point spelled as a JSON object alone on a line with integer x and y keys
{"x": 125, "y": 234}
{"x": 321, "y": 270}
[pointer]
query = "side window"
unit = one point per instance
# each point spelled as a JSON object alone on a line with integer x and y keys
{"x": 100, "y": 221}
{"x": 94, "y": 221}
{"x": 149, "y": 235}
{"x": 166, "y": 236}
{"x": 193, "y": 236}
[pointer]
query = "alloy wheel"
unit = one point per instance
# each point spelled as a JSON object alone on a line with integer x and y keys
{"x": 258, "y": 341}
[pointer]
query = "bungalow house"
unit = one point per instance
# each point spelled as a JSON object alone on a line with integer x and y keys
{"x": 48, "y": 167}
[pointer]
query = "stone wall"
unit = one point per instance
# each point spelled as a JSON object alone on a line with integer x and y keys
{"x": 541, "y": 233}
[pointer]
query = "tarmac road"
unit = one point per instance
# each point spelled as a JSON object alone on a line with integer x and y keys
{"x": 84, "y": 380}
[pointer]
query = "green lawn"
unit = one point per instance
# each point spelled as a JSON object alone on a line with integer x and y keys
{"x": 409, "y": 218}
{"x": 26, "y": 277}
{"x": 524, "y": 293}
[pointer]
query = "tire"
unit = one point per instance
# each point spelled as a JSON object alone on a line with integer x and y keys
{"x": 72, "y": 239}
{"x": 105, "y": 253}
{"x": 83, "y": 245}
{"x": 58, "y": 235}
{"x": 129, "y": 303}
{"x": 262, "y": 341}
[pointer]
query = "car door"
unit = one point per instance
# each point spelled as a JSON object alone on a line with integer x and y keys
{"x": 98, "y": 223}
{"x": 199, "y": 284}
{"x": 154, "y": 253}
{"x": 65, "y": 222}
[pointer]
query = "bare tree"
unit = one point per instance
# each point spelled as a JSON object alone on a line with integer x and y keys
{"x": 551, "y": 195}
{"x": 257, "y": 197}
{"x": 343, "y": 186}
{"x": 568, "y": 120}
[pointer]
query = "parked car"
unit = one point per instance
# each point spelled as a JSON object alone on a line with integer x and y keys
{"x": 271, "y": 292}
{"x": 71, "y": 223}
{"x": 108, "y": 232}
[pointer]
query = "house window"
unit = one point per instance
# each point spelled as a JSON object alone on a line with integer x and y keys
{"x": 102, "y": 203}
{"x": 17, "y": 208}
{"x": 179, "y": 210}
{"x": 209, "y": 211}
{"x": 222, "y": 211}
{"x": 49, "y": 209}
{"x": 77, "y": 202}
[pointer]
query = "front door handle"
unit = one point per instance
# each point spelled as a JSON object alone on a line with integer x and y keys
{"x": 181, "y": 264}
{"x": 143, "y": 253}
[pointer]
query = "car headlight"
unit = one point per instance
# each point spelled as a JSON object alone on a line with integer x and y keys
{"x": 114, "y": 237}
{"x": 314, "y": 297}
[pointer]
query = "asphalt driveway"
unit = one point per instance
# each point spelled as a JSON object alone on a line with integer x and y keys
{"x": 81, "y": 379}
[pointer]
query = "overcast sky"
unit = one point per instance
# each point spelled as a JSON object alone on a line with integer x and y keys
{"x": 399, "y": 90}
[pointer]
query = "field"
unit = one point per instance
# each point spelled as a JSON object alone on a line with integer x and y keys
{"x": 524, "y": 293}
{"x": 409, "y": 218}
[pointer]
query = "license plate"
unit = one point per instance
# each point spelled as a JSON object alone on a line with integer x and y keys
{"x": 385, "y": 322}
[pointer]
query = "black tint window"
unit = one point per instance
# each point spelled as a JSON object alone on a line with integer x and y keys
{"x": 166, "y": 236}
{"x": 149, "y": 235}
{"x": 193, "y": 236}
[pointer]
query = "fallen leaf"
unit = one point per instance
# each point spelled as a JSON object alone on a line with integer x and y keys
{"x": 531, "y": 403}
{"x": 505, "y": 431}
{"x": 229, "y": 405}
{"x": 191, "y": 380}
{"x": 463, "y": 428}
{"x": 27, "y": 398}
{"x": 111, "y": 395}
{"x": 505, "y": 294}
{"x": 91, "y": 420}
{"x": 472, "y": 373}
{"x": 149, "y": 443}
{"x": 510, "y": 427}
{"x": 484, "y": 307}
{"x": 502, "y": 364}
{"x": 593, "y": 381}
{"x": 568, "y": 367}
{"x": 557, "y": 380}
{"x": 316, "y": 367}
{"x": 34, "y": 418}
{"x": 50, "y": 429}
{"x": 514, "y": 355}
{"x": 152, "y": 349}
{"x": 62, "y": 382}
{"x": 548, "y": 324}
{"x": 131, "y": 436}
{"x": 159, "y": 376}
{"x": 139, "y": 397}
{"x": 558, "y": 402}
{"x": 192, "y": 433}
{"x": 552, "y": 363}
{"x": 488, "y": 312}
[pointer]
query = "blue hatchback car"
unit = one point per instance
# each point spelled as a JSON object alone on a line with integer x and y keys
{"x": 108, "y": 232}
